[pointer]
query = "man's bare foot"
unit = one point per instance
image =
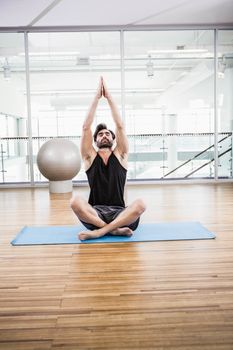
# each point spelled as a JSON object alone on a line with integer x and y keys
{"x": 88, "y": 235}
{"x": 122, "y": 231}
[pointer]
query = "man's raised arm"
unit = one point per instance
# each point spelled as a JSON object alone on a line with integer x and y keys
{"x": 121, "y": 138}
{"x": 86, "y": 147}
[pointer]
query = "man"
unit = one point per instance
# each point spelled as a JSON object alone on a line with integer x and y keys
{"x": 106, "y": 170}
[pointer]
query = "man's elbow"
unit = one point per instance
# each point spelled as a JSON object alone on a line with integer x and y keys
{"x": 120, "y": 126}
{"x": 86, "y": 127}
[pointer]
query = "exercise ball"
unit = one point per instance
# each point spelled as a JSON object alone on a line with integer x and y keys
{"x": 59, "y": 161}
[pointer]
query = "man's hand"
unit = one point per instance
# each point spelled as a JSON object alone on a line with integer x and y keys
{"x": 106, "y": 92}
{"x": 99, "y": 92}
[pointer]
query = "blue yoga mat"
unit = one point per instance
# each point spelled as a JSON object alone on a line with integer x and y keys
{"x": 31, "y": 235}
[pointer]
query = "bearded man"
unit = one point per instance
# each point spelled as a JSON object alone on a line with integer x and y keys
{"x": 106, "y": 169}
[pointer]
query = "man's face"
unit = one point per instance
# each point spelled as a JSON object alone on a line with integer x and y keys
{"x": 104, "y": 139}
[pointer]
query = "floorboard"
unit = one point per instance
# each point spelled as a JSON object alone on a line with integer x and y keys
{"x": 148, "y": 295}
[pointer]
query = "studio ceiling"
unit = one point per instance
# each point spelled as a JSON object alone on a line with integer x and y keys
{"x": 130, "y": 13}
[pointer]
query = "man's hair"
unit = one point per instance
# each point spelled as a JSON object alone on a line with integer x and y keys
{"x": 101, "y": 127}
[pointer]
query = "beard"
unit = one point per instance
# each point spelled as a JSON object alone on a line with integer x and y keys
{"x": 104, "y": 144}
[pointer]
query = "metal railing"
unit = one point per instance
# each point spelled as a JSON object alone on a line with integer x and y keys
{"x": 198, "y": 155}
{"x": 149, "y": 158}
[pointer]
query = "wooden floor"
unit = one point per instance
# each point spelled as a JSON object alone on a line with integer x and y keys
{"x": 148, "y": 295}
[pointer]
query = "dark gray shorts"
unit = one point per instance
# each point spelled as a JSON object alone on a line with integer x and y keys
{"x": 108, "y": 214}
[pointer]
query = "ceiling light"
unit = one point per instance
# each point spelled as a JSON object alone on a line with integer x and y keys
{"x": 150, "y": 68}
{"x": 83, "y": 61}
{"x": 221, "y": 69}
{"x": 6, "y": 70}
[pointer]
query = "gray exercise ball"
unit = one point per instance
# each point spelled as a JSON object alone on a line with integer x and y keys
{"x": 59, "y": 160}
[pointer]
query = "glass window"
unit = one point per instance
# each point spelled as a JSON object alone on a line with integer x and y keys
{"x": 225, "y": 103}
{"x": 169, "y": 98}
{"x": 64, "y": 70}
{"x": 13, "y": 113}
{"x": 169, "y": 87}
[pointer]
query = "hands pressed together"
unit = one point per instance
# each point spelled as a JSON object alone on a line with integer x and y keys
{"x": 102, "y": 89}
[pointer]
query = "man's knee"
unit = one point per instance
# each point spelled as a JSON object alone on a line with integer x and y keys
{"x": 73, "y": 202}
{"x": 139, "y": 206}
{"x": 76, "y": 204}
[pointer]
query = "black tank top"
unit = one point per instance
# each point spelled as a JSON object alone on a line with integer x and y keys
{"x": 106, "y": 182}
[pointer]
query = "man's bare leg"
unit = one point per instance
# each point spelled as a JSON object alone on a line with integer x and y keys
{"x": 84, "y": 211}
{"x": 119, "y": 226}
